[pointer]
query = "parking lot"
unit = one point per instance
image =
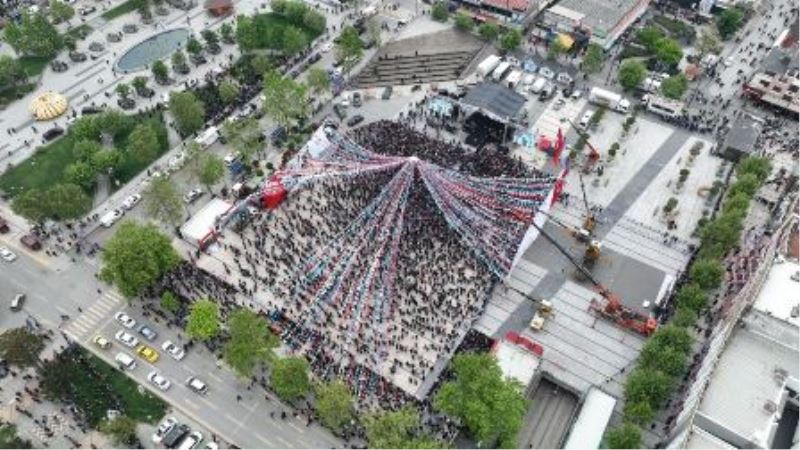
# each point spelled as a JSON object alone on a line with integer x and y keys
{"x": 231, "y": 409}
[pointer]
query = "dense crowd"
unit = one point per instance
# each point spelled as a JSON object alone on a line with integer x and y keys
{"x": 440, "y": 286}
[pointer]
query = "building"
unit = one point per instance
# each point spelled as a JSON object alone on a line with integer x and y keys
{"x": 514, "y": 13}
{"x": 219, "y": 8}
{"x": 603, "y": 21}
{"x": 777, "y": 84}
{"x": 742, "y": 137}
{"x": 202, "y": 229}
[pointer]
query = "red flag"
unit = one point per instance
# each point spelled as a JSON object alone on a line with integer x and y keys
{"x": 559, "y": 147}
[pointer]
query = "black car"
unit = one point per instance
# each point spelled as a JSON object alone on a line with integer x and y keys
{"x": 53, "y": 133}
{"x": 341, "y": 113}
{"x": 277, "y": 135}
{"x": 387, "y": 93}
{"x": 355, "y": 120}
{"x": 175, "y": 435}
{"x": 91, "y": 110}
{"x": 314, "y": 58}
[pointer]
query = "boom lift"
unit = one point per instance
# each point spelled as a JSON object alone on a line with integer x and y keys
{"x": 611, "y": 307}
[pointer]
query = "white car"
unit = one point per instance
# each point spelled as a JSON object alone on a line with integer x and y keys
{"x": 211, "y": 445}
{"x": 191, "y": 441}
{"x": 163, "y": 428}
{"x": 326, "y": 47}
{"x": 192, "y": 195}
{"x": 728, "y": 61}
{"x": 126, "y": 320}
{"x": 7, "y": 255}
{"x": 230, "y": 158}
{"x": 196, "y": 385}
{"x": 158, "y": 380}
{"x": 125, "y": 361}
{"x": 587, "y": 116}
{"x": 547, "y": 73}
{"x": 175, "y": 351}
{"x": 131, "y": 201}
{"x": 126, "y": 338}
{"x": 111, "y": 217}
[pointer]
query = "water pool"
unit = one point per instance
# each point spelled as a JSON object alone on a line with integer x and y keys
{"x": 153, "y": 48}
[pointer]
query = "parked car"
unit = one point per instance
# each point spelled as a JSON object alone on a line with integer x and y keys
{"x": 126, "y": 320}
{"x": 357, "y": 101}
{"x": 111, "y": 217}
{"x": 147, "y": 353}
{"x": 31, "y": 242}
{"x": 17, "y": 302}
{"x": 147, "y": 332}
{"x": 547, "y": 73}
{"x": 173, "y": 350}
{"x": 4, "y": 228}
{"x": 340, "y": 111}
{"x": 196, "y": 385}
{"x": 174, "y": 435}
{"x": 158, "y": 380}
{"x": 7, "y": 255}
{"x": 125, "y": 361}
{"x": 101, "y": 342}
{"x": 131, "y": 201}
{"x": 355, "y": 120}
{"x": 52, "y": 133}
{"x": 387, "y": 93}
{"x": 191, "y": 441}
{"x": 192, "y": 195}
{"x": 127, "y": 339}
{"x": 587, "y": 116}
{"x": 163, "y": 428}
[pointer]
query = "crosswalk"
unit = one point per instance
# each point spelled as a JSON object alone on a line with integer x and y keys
{"x": 100, "y": 310}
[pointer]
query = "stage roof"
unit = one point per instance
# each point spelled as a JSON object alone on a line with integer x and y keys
{"x": 495, "y": 99}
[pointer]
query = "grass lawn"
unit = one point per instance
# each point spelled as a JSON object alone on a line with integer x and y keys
{"x": 34, "y": 65}
{"x": 80, "y": 32}
{"x": 46, "y": 167}
{"x": 274, "y": 21}
{"x": 93, "y": 386}
{"x": 122, "y": 9}
{"x": 10, "y": 95}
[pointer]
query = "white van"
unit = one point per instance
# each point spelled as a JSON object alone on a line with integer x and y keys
{"x": 110, "y": 218}
{"x": 125, "y": 360}
{"x": 538, "y": 85}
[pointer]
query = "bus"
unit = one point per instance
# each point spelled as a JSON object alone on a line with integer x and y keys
{"x": 664, "y": 107}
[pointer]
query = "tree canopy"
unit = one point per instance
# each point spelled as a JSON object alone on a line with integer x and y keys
{"x": 624, "y": 437}
{"x": 289, "y": 378}
{"x": 709, "y": 42}
{"x": 34, "y": 35}
{"x": 707, "y": 273}
{"x": 593, "y": 59}
{"x": 162, "y": 201}
{"x": 10, "y": 439}
{"x": 318, "y": 80}
{"x": 334, "y": 404}
{"x": 203, "y": 322}
{"x": 692, "y": 297}
{"x": 490, "y": 406}
{"x": 396, "y": 429}
{"x": 143, "y": 143}
{"x": 439, "y": 11}
{"x": 136, "y": 257}
{"x": 668, "y": 51}
{"x": 122, "y": 431}
{"x": 631, "y": 74}
{"x": 228, "y": 91}
{"x": 212, "y": 169}
{"x": 675, "y": 86}
{"x": 286, "y": 100}
{"x": 188, "y": 112}
{"x": 511, "y": 40}
{"x": 488, "y": 31}
{"x": 729, "y": 21}
{"x": 250, "y": 342}
{"x": 464, "y": 22}
{"x": 60, "y": 11}
{"x": 349, "y": 48}
{"x": 62, "y": 201}
{"x": 20, "y": 347}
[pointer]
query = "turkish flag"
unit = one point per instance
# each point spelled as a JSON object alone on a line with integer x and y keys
{"x": 559, "y": 147}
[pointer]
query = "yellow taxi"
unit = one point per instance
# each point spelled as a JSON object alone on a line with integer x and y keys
{"x": 147, "y": 353}
{"x": 101, "y": 342}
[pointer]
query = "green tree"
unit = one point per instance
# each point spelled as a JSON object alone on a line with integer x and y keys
{"x": 122, "y": 431}
{"x": 639, "y": 412}
{"x": 178, "y": 61}
{"x": 67, "y": 201}
{"x": 247, "y": 34}
{"x": 593, "y": 59}
{"x": 11, "y": 73}
{"x": 729, "y": 21}
{"x": 10, "y": 439}
{"x": 396, "y": 429}
{"x": 31, "y": 204}
{"x": 250, "y": 342}
{"x": 20, "y": 347}
{"x": 123, "y": 90}
{"x": 160, "y": 71}
{"x": 349, "y": 48}
{"x": 439, "y": 11}
{"x": 668, "y": 51}
{"x": 81, "y": 173}
{"x": 60, "y": 11}
{"x": 34, "y": 35}
{"x": 707, "y": 273}
{"x": 758, "y": 166}
{"x": 139, "y": 83}
{"x": 289, "y": 378}
{"x": 709, "y": 42}
{"x": 285, "y": 101}
{"x": 193, "y": 46}
{"x": 631, "y": 74}
{"x": 490, "y": 406}
{"x": 143, "y": 143}
{"x": 84, "y": 149}
{"x": 211, "y": 38}
{"x": 106, "y": 160}
{"x": 692, "y": 297}
{"x": 667, "y": 350}
{"x": 318, "y": 80}
{"x": 488, "y": 31}
{"x": 136, "y": 257}
{"x": 464, "y": 22}
{"x": 203, "y": 322}
{"x": 737, "y": 204}
{"x": 244, "y": 136}
{"x": 334, "y": 404}
{"x": 226, "y": 32}
{"x": 649, "y": 386}
{"x": 188, "y": 112}
{"x": 675, "y": 86}
{"x": 211, "y": 170}
{"x": 747, "y": 184}
{"x": 314, "y": 22}
{"x": 684, "y": 317}
{"x": 260, "y": 64}
{"x": 228, "y": 91}
{"x": 162, "y": 201}
{"x": 511, "y": 40}
{"x": 170, "y": 302}
{"x": 624, "y": 437}
{"x": 649, "y": 37}
{"x": 294, "y": 40}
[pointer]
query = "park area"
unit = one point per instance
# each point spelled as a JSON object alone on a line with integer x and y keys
{"x": 79, "y": 378}
{"x": 107, "y": 143}
{"x": 289, "y": 28}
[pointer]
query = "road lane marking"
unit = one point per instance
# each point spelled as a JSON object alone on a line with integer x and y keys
{"x": 283, "y": 441}
{"x": 191, "y": 403}
{"x": 295, "y": 427}
{"x": 264, "y": 439}
{"x": 215, "y": 378}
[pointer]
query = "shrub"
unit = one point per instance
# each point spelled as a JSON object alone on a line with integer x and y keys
{"x": 672, "y": 203}
{"x": 691, "y": 297}
{"x": 707, "y": 273}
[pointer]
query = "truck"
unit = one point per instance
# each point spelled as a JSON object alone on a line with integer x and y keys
{"x": 488, "y": 65}
{"x": 514, "y": 78}
{"x": 664, "y": 107}
{"x": 207, "y": 137}
{"x": 609, "y": 99}
{"x": 501, "y": 70}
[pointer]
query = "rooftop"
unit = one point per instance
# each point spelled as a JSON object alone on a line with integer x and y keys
{"x": 743, "y": 134}
{"x": 203, "y": 223}
{"x": 495, "y": 99}
{"x": 780, "y": 294}
{"x": 515, "y": 361}
{"x": 599, "y": 14}
{"x": 783, "y": 57}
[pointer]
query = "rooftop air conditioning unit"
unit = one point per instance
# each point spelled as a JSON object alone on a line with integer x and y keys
{"x": 770, "y": 406}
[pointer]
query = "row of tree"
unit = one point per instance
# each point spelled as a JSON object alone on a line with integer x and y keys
{"x": 664, "y": 358}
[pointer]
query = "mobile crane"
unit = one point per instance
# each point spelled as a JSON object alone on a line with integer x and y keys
{"x": 611, "y": 307}
{"x": 594, "y": 155}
